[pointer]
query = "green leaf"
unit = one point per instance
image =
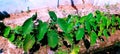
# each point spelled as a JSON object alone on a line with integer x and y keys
{"x": 68, "y": 19}
{"x": 70, "y": 27}
{"x": 89, "y": 16}
{"x": 99, "y": 33}
{"x": 34, "y": 16}
{"x": 93, "y": 24}
{"x": 113, "y": 20}
{"x": 42, "y": 29}
{"x": 28, "y": 42}
{"x": 80, "y": 33}
{"x": 62, "y": 24}
{"x": 52, "y": 38}
{"x": 105, "y": 33}
{"x": 69, "y": 38}
{"x": 75, "y": 50}
{"x": 53, "y": 16}
{"x": 82, "y": 19}
{"x": 6, "y": 31}
{"x": 101, "y": 27}
{"x": 12, "y": 37}
{"x": 17, "y": 29}
{"x": 27, "y": 27}
{"x": 98, "y": 16}
{"x": 104, "y": 20}
{"x": 113, "y": 30}
{"x": 108, "y": 22}
{"x": 118, "y": 19}
{"x": 87, "y": 26}
{"x": 93, "y": 38}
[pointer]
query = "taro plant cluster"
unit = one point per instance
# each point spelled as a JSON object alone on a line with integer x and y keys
{"x": 72, "y": 29}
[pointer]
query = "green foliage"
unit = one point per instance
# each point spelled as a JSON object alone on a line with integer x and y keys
{"x": 87, "y": 26}
{"x": 53, "y": 16}
{"x": 93, "y": 38}
{"x": 28, "y": 42}
{"x": 52, "y": 38}
{"x": 62, "y": 24}
{"x": 12, "y": 37}
{"x": 75, "y": 50}
{"x": 6, "y": 31}
{"x": 80, "y": 33}
{"x": 73, "y": 27}
{"x": 34, "y": 17}
{"x": 105, "y": 33}
{"x": 27, "y": 27}
{"x": 42, "y": 29}
{"x": 68, "y": 38}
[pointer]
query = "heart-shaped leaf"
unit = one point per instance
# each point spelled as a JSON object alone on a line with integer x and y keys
{"x": 80, "y": 33}
{"x": 105, "y": 33}
{"x": 62, "y": 24}
{"x": 93, "y": 38}
{"x": 28, "y": 42}
{"x": 27, "y": 27}
{"x": 68, "y": 19}
{"x": 6, "y": 31}
{"x": 70, "y": 27}
{"x": 53, "y": 16}
{"x": 42, "y": 29}
{"x": 87, "y": 26}
{"x": 52, "y": 38}
{"x": 12, "y": 37}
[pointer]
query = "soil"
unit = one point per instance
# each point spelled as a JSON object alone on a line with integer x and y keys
{"x": 62, "y": 11}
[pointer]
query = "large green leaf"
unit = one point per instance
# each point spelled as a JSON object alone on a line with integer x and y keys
{"x": 87, "y": 26}
{"x": 82, "y": 19}
{"x": 98, "y": 16}
{"x": 68, "y": 19}
{"x": 105, "y": 33}
{"x": 6, "y": 31}
{"x": 52, "y": 38}
{"x": 62, "y": 24}
{"x": 93, "y": 24}
{"x": 104, "y": 20}
{"x": 42, "y": 29}
{"x": 102, "y": 27}
{"x": 27, "y": 27}
{"x": 108, "y": 22}
{"x": 80, "y": 33}
{"x": 53, "y": 16}
{"x": 89, "y": 16}
{"x": 28, "y": 42}
{"x": 12, "y": 37}
{"x": 93, "y": 38}
{"x": 70, "y": 27}
{"x": 113, "y": 20}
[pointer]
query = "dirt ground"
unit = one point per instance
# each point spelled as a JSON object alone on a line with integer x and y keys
{"x": 18, "y": 18}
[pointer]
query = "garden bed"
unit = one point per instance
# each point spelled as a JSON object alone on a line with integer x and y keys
{"x": 100, "y": 45}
